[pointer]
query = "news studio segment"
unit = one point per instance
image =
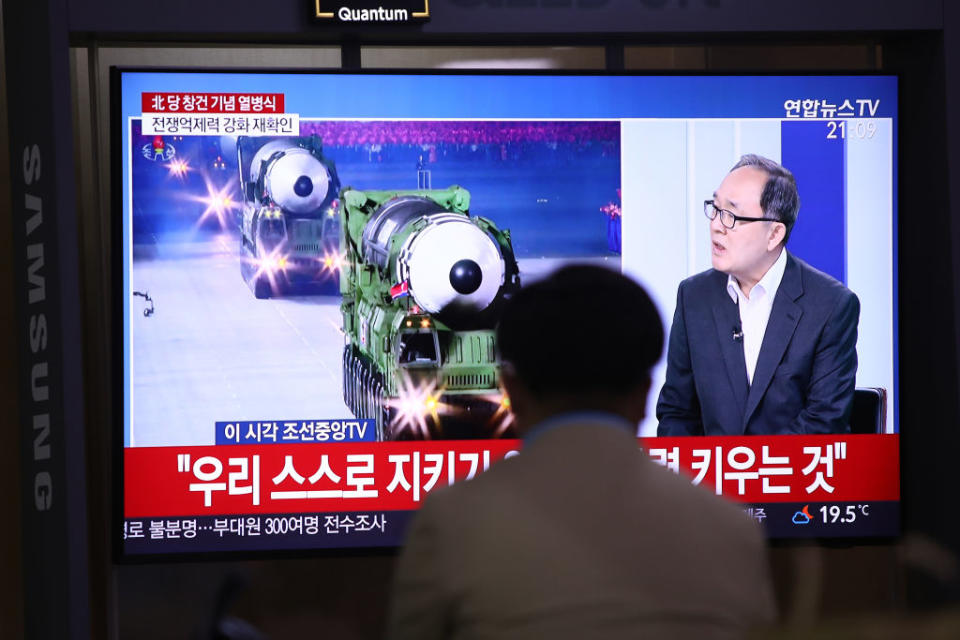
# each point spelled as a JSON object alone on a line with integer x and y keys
{"x": 310, "y": 301}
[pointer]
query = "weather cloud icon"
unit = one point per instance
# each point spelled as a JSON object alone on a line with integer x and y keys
{"x": 803, "y": 516}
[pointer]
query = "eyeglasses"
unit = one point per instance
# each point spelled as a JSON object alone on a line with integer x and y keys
{"x": 728, "y": 218}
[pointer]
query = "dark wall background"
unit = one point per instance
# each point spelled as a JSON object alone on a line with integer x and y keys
{"x": 492, "y": 19}
{"x": 345, "y": 597}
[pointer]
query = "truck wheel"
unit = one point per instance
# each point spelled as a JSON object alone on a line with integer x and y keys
{"x": 364, "y": 394}
{"x": 353, "y": 384}
{"x": 383, "y": 413}
{"x": 261, "y": 288}
{"x": 368, "y": 397}
{"x": 345, "y": 368}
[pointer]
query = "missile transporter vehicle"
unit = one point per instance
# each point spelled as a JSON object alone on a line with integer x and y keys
{"x": 422, "y": 281}
{"x": 288, "y": 225}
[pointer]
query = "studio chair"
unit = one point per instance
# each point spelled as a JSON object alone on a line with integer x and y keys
{"x": 869, "y": 410}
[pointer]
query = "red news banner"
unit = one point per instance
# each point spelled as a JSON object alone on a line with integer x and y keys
{"x": 211, "y": 102}
{"x": 385, "y": 476}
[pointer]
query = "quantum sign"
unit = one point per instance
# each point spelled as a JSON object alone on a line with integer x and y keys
{"x": 373, "y": 11}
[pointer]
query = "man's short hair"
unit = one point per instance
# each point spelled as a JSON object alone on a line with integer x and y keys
{"x": 780, "y": 199}
{"x": 582, "y": 330}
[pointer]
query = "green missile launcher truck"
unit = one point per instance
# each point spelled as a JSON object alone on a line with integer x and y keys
{"x": 422, "y": 281}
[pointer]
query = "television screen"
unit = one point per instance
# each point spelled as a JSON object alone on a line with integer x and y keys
{"x": 313, "y": 264}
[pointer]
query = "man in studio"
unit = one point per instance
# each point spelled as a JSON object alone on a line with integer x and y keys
{"x": 762, "y": 343}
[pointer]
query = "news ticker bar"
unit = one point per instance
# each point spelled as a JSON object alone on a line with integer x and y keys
{"x": 317, "y": 531}
{"x": 279, "y": 531}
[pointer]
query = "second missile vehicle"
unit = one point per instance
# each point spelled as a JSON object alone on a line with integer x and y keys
{"x": 289, "y": 227}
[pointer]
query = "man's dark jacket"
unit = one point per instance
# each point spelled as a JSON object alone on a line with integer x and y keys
{"x": 805, "y": 374}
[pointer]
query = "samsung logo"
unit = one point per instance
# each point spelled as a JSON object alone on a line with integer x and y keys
{"x": 37, "y": 295}
{"x": 346, "y": 14}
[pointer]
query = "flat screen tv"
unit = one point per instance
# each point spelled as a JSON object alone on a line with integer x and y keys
{"x": 312, "y": 264}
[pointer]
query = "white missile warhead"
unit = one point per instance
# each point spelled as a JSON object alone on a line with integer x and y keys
{"x": 297, "y": 181}
{"x": 452, "y": 263}
{"x": 292, "y": 176}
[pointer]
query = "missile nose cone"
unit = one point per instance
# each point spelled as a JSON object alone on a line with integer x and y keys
{"x": 466, "y": 276}
{"x": 303, "y": 186}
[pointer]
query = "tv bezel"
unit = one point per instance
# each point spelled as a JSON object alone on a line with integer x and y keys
{"x": 121, "y": 557}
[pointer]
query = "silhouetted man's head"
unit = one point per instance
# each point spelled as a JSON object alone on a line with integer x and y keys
{"x": 585, "y": 338}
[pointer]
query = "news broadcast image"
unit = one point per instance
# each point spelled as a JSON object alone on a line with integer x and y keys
{"x": 312, "y": 276}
